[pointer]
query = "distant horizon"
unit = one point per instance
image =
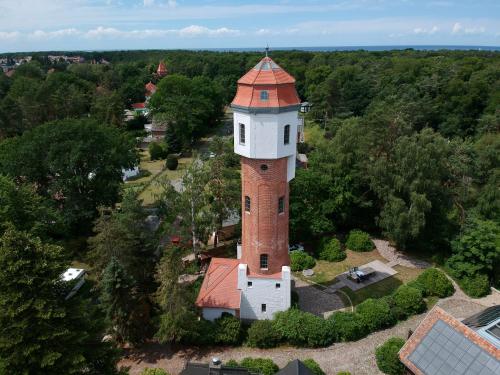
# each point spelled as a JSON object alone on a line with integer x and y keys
{"x": 387, "y": 47}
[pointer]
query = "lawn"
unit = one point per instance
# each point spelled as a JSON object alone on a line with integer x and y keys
{"x": 383, "y": 287}
{"x": 153, "y": 189}
{"x": 326, "y": 272}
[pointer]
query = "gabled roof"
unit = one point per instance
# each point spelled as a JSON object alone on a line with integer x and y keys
{"x": 220, "y": 285}
{"x": 162, "y": 68}
{"x": 442, "y": 345}
{"x": 150, "y": 87}
{"x": 295, "y": 367}
{"x": 139, "y": 105}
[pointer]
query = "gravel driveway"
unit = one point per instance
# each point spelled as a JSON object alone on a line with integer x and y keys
{"x": 357, "y": 357}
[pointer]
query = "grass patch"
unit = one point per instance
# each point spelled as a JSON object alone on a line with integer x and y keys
{"x": 326, "y": 272}
{"x": 383, "y": 287}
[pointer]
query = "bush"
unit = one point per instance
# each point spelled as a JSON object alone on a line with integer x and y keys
{"x": 347, "y": 326}
{"x": 301, "y": 261}
{"x": 313, "y": 366}
{"x": 359, "y": 241}
{"x": 303, "y": 329}
{"x": 407, "y": 301}
{"x": 387, "y": 356}
{"x": 343, "y": 373}
{"x": 375, "y": 314}
{"x": 228, "y": 330}
{"x": 172, "y": 162}
{"x": 156, "y": 151}
{"x": 433, "y": 282}
{"x": 264, "y": 366}
{"x": 154, "y": 371}
{"x": 475, "y": 286}
{"x": 332, "y": 251}
{"x": 262, "y": 334}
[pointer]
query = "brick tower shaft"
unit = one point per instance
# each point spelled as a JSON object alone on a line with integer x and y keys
{"x": 264, "y": 214}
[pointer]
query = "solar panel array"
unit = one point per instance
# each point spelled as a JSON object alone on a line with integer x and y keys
{"x": 483, "y": 318}
{"x": 444, "y": 351}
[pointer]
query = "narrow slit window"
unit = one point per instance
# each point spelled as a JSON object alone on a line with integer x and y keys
{"x": 264, "y": 261}
{"x": 286, "y": 135}
{"x": 247, "y": 203}
{"x": 263, "y": 307}
{"x": 281, "y": 205}
{"x": 264, "y": 95}
{"x": 242, "y": 134}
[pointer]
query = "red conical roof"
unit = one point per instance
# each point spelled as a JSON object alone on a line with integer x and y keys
{"x": 162, "y": 69}
{"x": 266, "y": 76}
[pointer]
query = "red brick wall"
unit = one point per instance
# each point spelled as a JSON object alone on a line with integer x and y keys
{"x": 264, "y": 230}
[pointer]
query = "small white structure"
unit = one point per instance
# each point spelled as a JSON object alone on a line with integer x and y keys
{"x": 128, "y": 173}
{"x": 76, "y": 276}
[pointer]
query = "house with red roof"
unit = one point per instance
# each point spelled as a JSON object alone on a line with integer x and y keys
{"x": 161, "y": 71}
{"x": 257, "y": 284}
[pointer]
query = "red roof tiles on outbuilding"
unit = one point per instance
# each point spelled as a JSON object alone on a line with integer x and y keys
{"x": 220, "y": 285}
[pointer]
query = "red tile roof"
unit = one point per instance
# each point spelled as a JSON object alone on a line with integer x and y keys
{"x": 150, "y": 87}
{"x": 139, "y": 105}
{"x": 266, "y": 76}
{"x": 220, "y": 286}
{"x": 162, "y": 69}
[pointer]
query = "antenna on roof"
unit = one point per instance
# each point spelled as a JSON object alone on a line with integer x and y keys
{"x": 267, "y": 49}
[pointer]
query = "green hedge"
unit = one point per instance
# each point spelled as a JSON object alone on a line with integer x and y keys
{"x": 228, "y": 330}
{"x": 154, "y": 371}
{"x": 387, "y": 356}
{"x": 476, "y": 286}
{"x": 433, "y": 282}
{"x": 407, "y": 301}
{"x": 300, "y": 260}
{"x": 359, "y": 241}
{"x": 303, "y": 329}
{"x": 313, "y": 366}
{"x": 264, "y": 366}
{"x": 347, "y": 326}
{"x": 376, "y": 313}
{"x": 331, "y": 251}
{"x": 263, "y": 334}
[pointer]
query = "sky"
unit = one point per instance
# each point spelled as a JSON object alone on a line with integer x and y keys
{"x": 42, "y": 25}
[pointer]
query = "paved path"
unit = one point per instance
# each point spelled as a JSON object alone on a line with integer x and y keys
{"x": 357, "y": 357}
{"x": 317, "y": 301}
{"x": 395, "y": 257}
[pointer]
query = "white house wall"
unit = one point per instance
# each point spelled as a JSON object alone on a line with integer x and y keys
{"x": 212, "y": 313}
{"x": 269, "y": 130}
{"x": 263, "y": 291}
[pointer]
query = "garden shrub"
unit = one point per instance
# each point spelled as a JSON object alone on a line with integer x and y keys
{"x": 264, "y": 366}
{"x": 343, "y": 373}
{"x": 475, "y": 286}
{"x": 228, "y": 330}
{"x": 313, "y": 366}
{"x": 172, "y": 162}
{"x": 299, "y": 260}
{"x": 387, "y": 356}
{"x": 359, "y": 241}
{"x": 407, "y": 301}
{"x": 433, "y": 282}
{"x": 347, "y": 326}
{"x": 156, "y": 151}
{"x": 332, "y": 251}
{"x": 202, "y": 333}
{"x": 154, "y": 371}
{"x": 262, "y": 334}
{"x": 303, "y": 329}
{"x": 375, "y": 313}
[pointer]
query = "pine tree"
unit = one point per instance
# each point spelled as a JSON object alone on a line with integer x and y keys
{"x": 42, "y": 332}
{"x": 119, "y": 302}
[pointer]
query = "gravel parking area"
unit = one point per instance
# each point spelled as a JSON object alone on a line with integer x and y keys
{"x": 357, "y": 357}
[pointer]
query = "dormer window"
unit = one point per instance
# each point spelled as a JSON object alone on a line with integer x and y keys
{"x": 264, "y": 95}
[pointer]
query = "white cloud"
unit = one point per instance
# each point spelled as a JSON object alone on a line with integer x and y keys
{"x": 422, "y": 30}
{"x": 40, "y": 34}
{"x": 192, "y": 31}
{"x": 196, "y": 31}
{"x": 148, "y": 3}
{"x": 9, "y": 35}
{"x": 459, "y": 29}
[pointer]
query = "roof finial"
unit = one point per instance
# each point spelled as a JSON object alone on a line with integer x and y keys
{"x": 267, "y": 49}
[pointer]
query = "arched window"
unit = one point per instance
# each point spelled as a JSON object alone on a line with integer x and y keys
{"x": 264, "y": 261}
{"x": 264, "y": 95}
{"x": 286, "y": 135}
